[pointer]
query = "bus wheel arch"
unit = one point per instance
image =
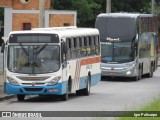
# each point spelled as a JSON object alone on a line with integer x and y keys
{"x": 69, "y": 83}
{"x": 86, "y": 91}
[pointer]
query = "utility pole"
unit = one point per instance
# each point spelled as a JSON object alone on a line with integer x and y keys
{"x": 108, "y": 6}
{"x": 41, "y": 13}
{"x": 153, "y": 7}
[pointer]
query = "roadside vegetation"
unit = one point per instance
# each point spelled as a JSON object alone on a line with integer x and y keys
{"x": 153, "y": 106}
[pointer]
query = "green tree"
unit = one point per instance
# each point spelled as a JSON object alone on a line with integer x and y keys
{"x": 1, "y": 12}
{"x": 136, "y": 6}
{"x": 87, "y": 10}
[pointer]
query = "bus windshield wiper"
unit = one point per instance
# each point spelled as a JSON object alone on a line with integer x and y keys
{"x": 39, "y": 51}
{"x": 24, "y": 50}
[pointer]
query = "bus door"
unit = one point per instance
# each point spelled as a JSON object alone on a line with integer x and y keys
{"x": 64, "y": 63}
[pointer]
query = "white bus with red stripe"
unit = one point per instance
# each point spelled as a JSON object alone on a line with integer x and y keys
{"x": 51, "y": 61}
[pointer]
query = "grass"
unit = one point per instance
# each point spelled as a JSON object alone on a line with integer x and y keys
{"x": 153, "y": 106}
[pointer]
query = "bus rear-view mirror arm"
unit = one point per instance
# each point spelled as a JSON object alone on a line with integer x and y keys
{"x": 2, "y": 47}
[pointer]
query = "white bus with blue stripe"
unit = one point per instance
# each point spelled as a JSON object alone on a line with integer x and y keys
{"x": 51, "y": 61}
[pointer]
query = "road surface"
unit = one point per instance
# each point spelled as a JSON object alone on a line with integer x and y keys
{"x": 112, "y": 95}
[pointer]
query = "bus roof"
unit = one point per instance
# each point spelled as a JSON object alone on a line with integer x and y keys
{"x": 61, "y": 31}
{"x": 131, "y": 15}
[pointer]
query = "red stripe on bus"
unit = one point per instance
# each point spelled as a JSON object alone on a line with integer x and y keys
{"x": 90, "y": 61}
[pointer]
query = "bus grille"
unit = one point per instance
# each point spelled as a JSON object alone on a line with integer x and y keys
{"x": 33, "y": 78}
{"x": 33, "y": 89}
{"x": 29, "y": 84}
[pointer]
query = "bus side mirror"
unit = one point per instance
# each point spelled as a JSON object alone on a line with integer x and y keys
{"x": 64, "y": 47}
{"x": 2, "y": 47}
{"x": 136, "y": 39}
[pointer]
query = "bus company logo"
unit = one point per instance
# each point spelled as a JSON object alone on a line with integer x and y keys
{"x": 112, "y": 68}
{"x": 6, "y": 114}
{"x": 33, "y": 83}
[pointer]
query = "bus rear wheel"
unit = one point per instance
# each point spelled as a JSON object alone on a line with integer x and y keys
{"x": 86, "y": 91}
{"x": 150, "y": 74}
{"x": 136, "y": 78}
{"x": 20, "y": 97}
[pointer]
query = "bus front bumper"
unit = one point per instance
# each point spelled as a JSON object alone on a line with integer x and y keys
{"x": 116, "y": 73}
{"x": 57, "y": 89}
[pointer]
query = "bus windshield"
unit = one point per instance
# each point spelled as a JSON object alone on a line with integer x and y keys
{"x": 120, "y": 52}
{"x": 33, "y": 59}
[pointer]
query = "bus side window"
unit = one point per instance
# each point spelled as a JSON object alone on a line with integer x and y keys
{"x": 97, "y": 45}
{"x": 74, "y": 44}
{"x": 87, "y": 45}
{"x": 78, "y": 47}
{"x": 68, "y": 43}
{"x": 83, "y": 50}
{"x": 92, "y": 45}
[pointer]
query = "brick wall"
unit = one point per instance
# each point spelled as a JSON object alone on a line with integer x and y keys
{"x": 5, "y": 3}
{"x": 59, "y": 20}
{"x": 55, "y": 20}
{"x": 18, "y": 5}
{"x": 19, "y": 19}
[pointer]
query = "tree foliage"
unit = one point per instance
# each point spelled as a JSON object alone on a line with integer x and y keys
{"x": 1, "y": 12}
{"x": 87, "y": 10}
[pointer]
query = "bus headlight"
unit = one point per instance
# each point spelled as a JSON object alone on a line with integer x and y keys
{"x": 54, "y": 81}
{"x": 12, "y": 81}
{"x": 128, "y": 72}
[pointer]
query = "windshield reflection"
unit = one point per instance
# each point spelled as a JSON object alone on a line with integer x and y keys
{"x": 34, "y": 59}
{"x": 116, "y": 52}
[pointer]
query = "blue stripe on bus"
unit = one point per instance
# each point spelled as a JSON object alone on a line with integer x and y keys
{"x": 11, "y": 89}
{"x": 94, "y": 80}
{"x": 61, "y": 87}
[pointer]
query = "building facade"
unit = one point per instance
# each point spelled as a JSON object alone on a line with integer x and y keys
{"x": 24, "y": 15}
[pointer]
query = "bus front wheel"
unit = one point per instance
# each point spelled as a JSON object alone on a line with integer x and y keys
{"x": 20, "y": 97}
{"x": 64, "y": 97}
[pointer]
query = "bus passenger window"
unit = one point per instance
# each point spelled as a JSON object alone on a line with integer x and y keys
{"x": 68, "y": 42}
{"x": 83, "y": 50}
{"x": 73, "y": 49}
{"x": 78, "y": 47}
{"x": 88, "y": 46}
{"x": 97, "y": 45}
{"x": 92, "y": 47}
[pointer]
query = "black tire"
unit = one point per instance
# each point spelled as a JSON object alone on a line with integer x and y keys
{"x": 136, "y": 78}
{"x": 79, "y": 92}
{"x": 150, "y": 74}
{"x": 20, "y": 97}
{"x": 140, "y": 73}
{"x": 86, "y": 91}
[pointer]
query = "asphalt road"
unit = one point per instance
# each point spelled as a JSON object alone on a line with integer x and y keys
{"x": 112, "y": 95}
